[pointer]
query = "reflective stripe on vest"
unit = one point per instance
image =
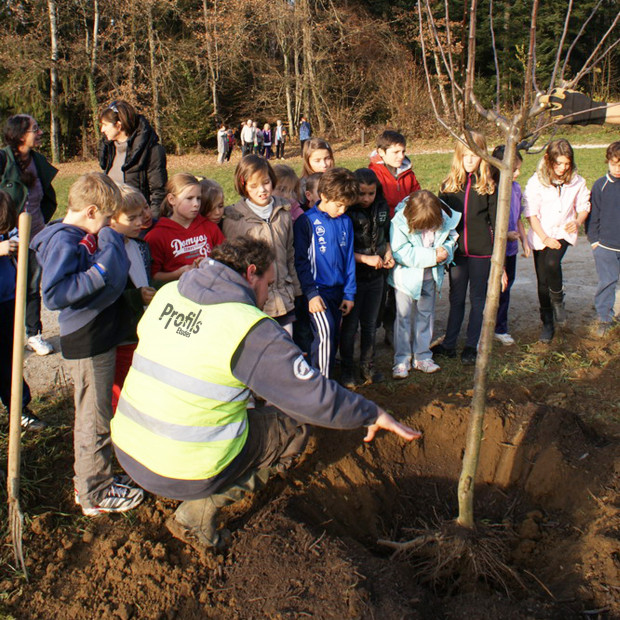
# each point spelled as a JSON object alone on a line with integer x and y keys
{"x": 182, "y": 413}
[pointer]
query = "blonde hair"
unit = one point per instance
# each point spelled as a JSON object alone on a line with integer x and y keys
{"x": 210, "y": 191}
{"x": 455, "y": 181}
{"x": 176, "y": 185}
{"x": 555, "y": 149}
{"x": 287, "y": 185}
{"x": 94, "y": 188}
{"x": 132, "y": 201}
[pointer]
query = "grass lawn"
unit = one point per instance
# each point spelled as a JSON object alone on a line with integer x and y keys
{"x": 430, "y": 169}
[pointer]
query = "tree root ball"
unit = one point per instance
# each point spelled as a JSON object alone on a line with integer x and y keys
{"x": 452, "y": 558}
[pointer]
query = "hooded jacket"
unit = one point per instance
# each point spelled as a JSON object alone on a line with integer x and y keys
{"x": 395, "y": 188}
{"x": 91, "y": 321}
{"x": 412, "y": 258}
{"x": 477, "y": 224}
{"x": 241, "y": 221}
{"x": 269, "y": 363}
{"x": 145, "y": 163}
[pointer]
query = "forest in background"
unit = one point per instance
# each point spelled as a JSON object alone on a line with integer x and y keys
{"x": 187, "y": 64}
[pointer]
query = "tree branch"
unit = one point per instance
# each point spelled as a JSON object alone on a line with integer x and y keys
{"x": 556, "y": 64}
{"x": 572, "y": 46}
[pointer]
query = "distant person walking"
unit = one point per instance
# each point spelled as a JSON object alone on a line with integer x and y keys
{"x": 305, "y": 132}
{"x": 280, "y": 138}
{"x": 130, "y": 152}
{"x": 267, "y": 140}
{"x": 248, "y": 134}
{"x": 222, "y": 143}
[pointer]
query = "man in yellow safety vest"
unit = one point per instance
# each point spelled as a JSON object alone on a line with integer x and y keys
{"x": 183, "y": 429}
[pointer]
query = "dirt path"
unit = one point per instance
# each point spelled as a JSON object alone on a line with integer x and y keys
{"x": 45, "y": 373}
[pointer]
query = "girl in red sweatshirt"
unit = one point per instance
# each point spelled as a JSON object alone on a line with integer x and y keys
{"x": 182, "y": 237}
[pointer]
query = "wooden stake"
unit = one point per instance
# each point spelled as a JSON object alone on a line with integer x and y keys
{"x": 16, "y": 518}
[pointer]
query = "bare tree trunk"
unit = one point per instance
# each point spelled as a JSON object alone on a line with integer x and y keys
{"x": 474, "y": 430}
{"x": 287, "y": 91}
{"x": 299, "y": 91}
{"x": 133, "y": 63}
{"x": 442, "y": 90}
{"x": 309, "y": 75}
{"x": 54, "y": 129}
{"x": 92, "y": 91}
{"x": 154, "y": 86}
{"x": 212, "y": 53}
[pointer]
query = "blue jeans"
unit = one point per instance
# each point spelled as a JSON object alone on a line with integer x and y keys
{"x": 501, "y": 323}
{"x": 608, "y": 270}
{"x": 417, "y": 316}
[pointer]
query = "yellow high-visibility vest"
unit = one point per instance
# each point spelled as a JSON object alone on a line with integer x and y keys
{"x": 182, "y": 414}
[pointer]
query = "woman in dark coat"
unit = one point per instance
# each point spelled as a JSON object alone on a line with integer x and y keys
{"x": 27, "y": 176}
{"x": 130, "y": 152}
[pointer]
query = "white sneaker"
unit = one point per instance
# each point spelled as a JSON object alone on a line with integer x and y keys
{"x": 39, "y": 345}
{"x": 400, "y": 371}
{"x": 505, "y": 339}
{"x": 427, "y": 366}
{"x": 119, "y": 498}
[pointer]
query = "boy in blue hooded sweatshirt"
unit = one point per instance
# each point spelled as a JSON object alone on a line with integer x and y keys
{"x": 325, "y": 262}
{"x": 85, "y": 269}
{"x": 423, "y": 238}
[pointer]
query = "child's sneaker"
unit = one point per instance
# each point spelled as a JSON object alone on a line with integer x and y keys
{"x": 506, "y": 339}
{"x": 120, "y": 480}
{"x": 602, "y": 329}
{"x": 400, "y": 371}
{"x": 39, "y": 345}
{"x": 427, "y": 366}
{"x": 30, "y": 422}
{"x": 119, "y": 498}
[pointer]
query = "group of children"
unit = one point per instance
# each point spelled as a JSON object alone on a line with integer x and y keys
{"x": 342, "y": 240}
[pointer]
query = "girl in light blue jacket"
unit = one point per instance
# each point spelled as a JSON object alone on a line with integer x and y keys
{"x": 423, "y": 238}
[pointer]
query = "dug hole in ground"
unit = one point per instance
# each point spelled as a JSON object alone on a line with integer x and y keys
{"x": 548, "y": 481}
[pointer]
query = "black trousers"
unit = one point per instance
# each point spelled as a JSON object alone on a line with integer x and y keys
{"x": 473, "y": 273}
{"x": 548, "y": 264}
{"x": 7, "y": 316}
{"x": 365, "y": 313}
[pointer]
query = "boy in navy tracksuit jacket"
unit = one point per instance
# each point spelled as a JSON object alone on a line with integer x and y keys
{"x": 603, "y": 228}
{"x": 325, "y": 262}
{"x": 85, "y": 269}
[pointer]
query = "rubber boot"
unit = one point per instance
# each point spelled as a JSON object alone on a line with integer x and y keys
{"x": 195, "y": 521}
{"x": 548, "y": 330}
{"x": 557, "y": 303}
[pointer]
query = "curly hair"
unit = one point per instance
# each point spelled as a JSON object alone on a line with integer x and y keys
{"x": 240, "y": 253}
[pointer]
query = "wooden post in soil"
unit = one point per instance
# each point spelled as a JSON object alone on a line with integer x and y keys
{"x": 478, "y": 404}
{"x": 16, "y": 518}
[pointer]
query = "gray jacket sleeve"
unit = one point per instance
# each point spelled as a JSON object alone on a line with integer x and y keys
{"x": 271, "y": 365}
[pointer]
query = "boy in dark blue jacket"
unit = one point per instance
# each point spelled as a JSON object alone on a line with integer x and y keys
{"x": 325, "y": 262}
{"x": 603, "y": 227}
{"x": 85, "y": 269}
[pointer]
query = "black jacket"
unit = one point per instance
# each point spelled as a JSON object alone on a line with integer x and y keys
{"x": 145, "y": 164}
{"x": 371, "y": 234}
{"x": 477, "y": 225}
